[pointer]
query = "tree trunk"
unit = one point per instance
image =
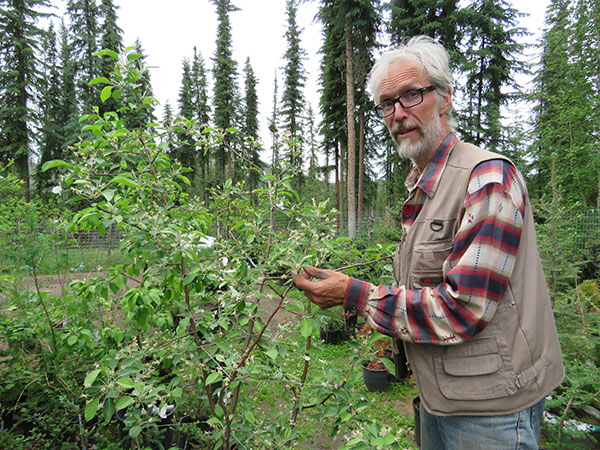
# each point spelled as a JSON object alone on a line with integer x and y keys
{"x": 350, "y": 184}
{"x": 340, "y": 182}
{"x": 361, "y": 167}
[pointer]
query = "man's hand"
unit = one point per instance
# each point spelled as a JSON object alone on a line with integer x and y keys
{"x": 328, "y": 291}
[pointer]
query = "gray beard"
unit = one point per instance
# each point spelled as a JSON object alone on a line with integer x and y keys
{"x": 431, "y": 131}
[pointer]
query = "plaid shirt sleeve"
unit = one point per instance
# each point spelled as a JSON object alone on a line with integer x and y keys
{"x": 477, "y": 271}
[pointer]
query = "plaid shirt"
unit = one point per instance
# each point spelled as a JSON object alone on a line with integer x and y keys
{"x": 481, "y": 261}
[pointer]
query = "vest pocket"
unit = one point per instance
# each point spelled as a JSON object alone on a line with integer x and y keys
{"x": 427, "y": 263}
{"x": 479, "y": 369}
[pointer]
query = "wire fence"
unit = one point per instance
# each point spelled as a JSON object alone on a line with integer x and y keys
{"x": 586, "y": 224}
{"x": 584, "y": 229}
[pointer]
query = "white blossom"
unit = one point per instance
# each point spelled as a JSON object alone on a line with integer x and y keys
{"x": 57, "y": 189}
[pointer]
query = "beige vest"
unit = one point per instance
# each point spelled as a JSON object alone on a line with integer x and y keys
{"x": 516, "y": 360}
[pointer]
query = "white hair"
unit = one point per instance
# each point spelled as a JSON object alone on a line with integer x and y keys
{"x": 428, "y": 54}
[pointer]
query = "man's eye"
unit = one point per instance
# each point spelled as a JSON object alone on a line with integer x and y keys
{"x": 387, "y": 104}
{"x": 411, "y": 94}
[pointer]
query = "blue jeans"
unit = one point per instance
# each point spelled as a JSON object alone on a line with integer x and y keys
{"x": 517, "y": 431}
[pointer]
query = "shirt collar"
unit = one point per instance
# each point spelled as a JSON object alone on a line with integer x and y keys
{"x": 428, "y": 180}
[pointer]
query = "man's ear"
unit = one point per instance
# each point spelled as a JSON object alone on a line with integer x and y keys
{"x": 446, "y": 102}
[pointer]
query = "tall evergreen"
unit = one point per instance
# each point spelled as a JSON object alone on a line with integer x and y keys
{"x": 51, "y": 130}
{"x": 440, "y": 19}
{"x": 185, "y": 150}
{"x": 351, "y": 28}
{"x": 250, "y": 121}
{"x": 332, "y": 102}
{"x": 68, "y": 116}
{"x": 201, "y": 113}
{"x": 84, "y": 30}
{"x": 566, "y": 125}
{"x": 225, "y": 89}
{"x": 168, "y": 118}
{"x": 292, "y": 100}
{"x": 492, "y": 58}
{"x": 19, "y": 79}
{"x": 199, "y": 90}
{"x": 145, "y": 113}
{"x": 111, "y": 39}
{"x": 184, "y": 99}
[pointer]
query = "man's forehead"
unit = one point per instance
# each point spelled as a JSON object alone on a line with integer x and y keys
{"x": 400, "y": 73}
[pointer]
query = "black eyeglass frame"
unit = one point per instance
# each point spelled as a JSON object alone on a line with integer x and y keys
{"x": 379, "y": 108}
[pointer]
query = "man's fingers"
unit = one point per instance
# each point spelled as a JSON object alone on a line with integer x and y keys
{"x": 315, "y": 272}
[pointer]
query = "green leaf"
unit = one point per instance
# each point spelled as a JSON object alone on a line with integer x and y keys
{"x": 106, "y": 93}
{"x": 389, "y": 365}
{"x": 212, "y": 378}
{"x": 108, "y": 194}
{"x": 126, "y": 382}
{"x": 107, "y": 52}
{"x": 135, "y": 431}
{"x": 125, "y": 180}
{"x": 90, "y": 409}
{"x": 116, "y": 94}
{"x": 249, "y": 416}
{"x": 124, "y": 402}
{"x": 71, "y": 340}
{"x": 55, "y": 163}
{"x": 272, "y": 353}
{"x": 108, "y": 410}
{"x": 98, "y": 81}
{"x": 177, "y": 392}
{"x": 133, "y": 56}
{"x": 91, "y": 377}
{"x": 214, "y": 421}
{"x": 306, "y": 328}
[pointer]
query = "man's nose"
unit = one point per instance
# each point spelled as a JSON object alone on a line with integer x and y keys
{"x": 399, "y": 112}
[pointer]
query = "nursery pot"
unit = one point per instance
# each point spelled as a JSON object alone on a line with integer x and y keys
{"x": 375, "y": 379}
{"x": 416, "y": 403}
{"x": 330, "y": 336}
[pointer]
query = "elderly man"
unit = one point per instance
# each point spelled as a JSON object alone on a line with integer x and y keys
{"x": 469, "y": 298}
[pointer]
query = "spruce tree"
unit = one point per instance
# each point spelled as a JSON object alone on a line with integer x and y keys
{"x": 145, "y": 114}
{"x": 201, "y": 113}
{"x": 250, "y": 122}
{"x": 566, "y": 120}
{"x": 439, "y": 19}
{"x": 492, "y": 58}
{"x": 84, "y": 33}
{"x": 68, "y": 115}
{"x": 199, "y": 90}
{"x": 225, "y": 89}
{"x": 111, "y": 39}
{"x": 19, "y": 80}
{"x": 292, "y": 100}
{"x": 356, "y": 22}
{"x": 185, "y": 150}
{"x": 51, "y": 130}
{"x": 332, "y": 102}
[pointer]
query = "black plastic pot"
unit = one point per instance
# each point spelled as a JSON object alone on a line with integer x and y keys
{"x": 330, "y": 336}
{"x": 375, "y": 379}
{"x": 416, "y": 404}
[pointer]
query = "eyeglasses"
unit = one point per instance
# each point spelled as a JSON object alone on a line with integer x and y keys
{"x": 407, "y": 100}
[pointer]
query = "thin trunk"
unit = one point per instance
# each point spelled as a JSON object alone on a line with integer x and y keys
{"x": 341, "y": 159}
{"x": 361, "y": 166}
{"x": 351, "y": 182}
